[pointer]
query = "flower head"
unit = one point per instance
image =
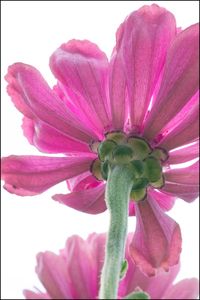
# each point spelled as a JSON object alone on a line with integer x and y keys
{"x": 139, "y": 108}
{"x": 75, "y": 272}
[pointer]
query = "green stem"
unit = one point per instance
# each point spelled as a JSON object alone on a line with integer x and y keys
{"x": 118, "y": 188}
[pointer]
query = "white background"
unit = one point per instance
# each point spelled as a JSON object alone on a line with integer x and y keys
{"x": 31, "y": 31}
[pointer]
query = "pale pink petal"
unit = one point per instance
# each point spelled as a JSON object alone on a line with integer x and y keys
{"x": 49, "y": 140}
{"x": 191, "y": 105}
{"x": 51, "y": 270}
{"x": 89, "y": 201}
{"x": 166, "y": 202}
{"x": 187, "y": 175}
{"x": 157, "y": 240}
{"x": 184, "y": 154}
{"x": 33, "y": 97}
{"x": 72, "y": 100}
{"x": 184, "y": 127}
{"x": 97, "y": 250}
{"x": 75, "y": 273}
{"x": 80, "y": 266}
{"x": 33, "y": 295}
{"x": 143, "y": 41}
{"x": 186, "y": 192}
{"x": 83, "y": 67}
{"x": 185, "y": 289}
{"x": 180, "y": 81}
{"x": 28, "y": 175}
{"x": 117, "y": 85}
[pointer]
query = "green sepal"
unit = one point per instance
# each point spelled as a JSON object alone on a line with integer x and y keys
{"x": 140, "y": 147}
{"x": 96, "y": 169}
{"x": 160, "y": 154}
{"x": 116, "y": 136}
{"x": 158, "y": 184}
{"x": 94, "y": 146}
{"x": 139, "y": 184}
{"x": 137, "y": 295}
{"x": 105, "y": 149}
{"x": 138, "y": 167}
{"x": 152, "y": 169}
{"x": 122, "y": 154}
{"x": 124, "y": 268}
{"x": 138, "y": 195}
{"x": 105, "y": 169}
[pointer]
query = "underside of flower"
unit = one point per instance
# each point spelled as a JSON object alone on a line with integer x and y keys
{"x": 145, "y": 162}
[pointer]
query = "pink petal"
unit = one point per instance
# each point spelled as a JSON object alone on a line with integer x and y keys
{"x": 117, "y": 86}
{"x": 33, "y": 295}
{"x": 187, "y": 175}
{"x": 97, "y": 243}
{"x": 131, "y": 208}
{"x": 83, "y": 67}
{"x": 83, "y": 181}
{"x": 166, "y": 202}
{"x": 186, "y": 192}
{"x": 154, "y": 286}
{"x": 48, "y": 139}
{"x": 89, "y": 201}
{"x": 28, "y": 129}
{"x": 157, "y": 240}
{"x": 185, "y": 289}
{"x": 184, "y": 154}
{"x": 80, "y": 265}
{"x": 33, "y": 97}
{"x": 51, "y": 270}
{"x": 179, "y": 83}
{"x": 144, "y": 39}
{"x": 29, "y": 175}
{"x": 71, "y": 99}
{"x": 185, "y": 126}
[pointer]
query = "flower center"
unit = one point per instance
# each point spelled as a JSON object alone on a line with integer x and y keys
{"x": 118, "y": 148}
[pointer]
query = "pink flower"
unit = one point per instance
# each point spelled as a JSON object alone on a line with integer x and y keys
{"x": 146, "y": 96}
{"x": 75, "y": 272}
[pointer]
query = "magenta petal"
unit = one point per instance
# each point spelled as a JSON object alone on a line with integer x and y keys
{"x": 47, "y": 139}
{"x": 29, "y": 175}
{"x": 187, "y": 192}
{"x": 131, "y": 208}
{"x": 157, "y": 240}
{"x": 165, "y": 201}
{"x": 83, "y": 181}
{"x": 83, "y": 67}
{"x": 51, "y": 270}
{"x": 184, "y": 154}
{"x": 187, "y": 175}
{"x": 117, "y": 86}
{"x": 89, "y": 201}
{"x": 33, "y": 295}
{"x": 33, "y": 97}
{"x": 28, "y": 129}
{"x": 72, "y": 101}
{"x": 143, "y": 40}
{"x": 180, "y": 80}
{"x": 185, "y": 289}
{"x": 185, "y": 126}
{"x": 154, "y": 286}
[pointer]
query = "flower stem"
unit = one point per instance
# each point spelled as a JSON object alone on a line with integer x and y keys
{"x": 118, "y": 188}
